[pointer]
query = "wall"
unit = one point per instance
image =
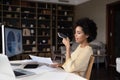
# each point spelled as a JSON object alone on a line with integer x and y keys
{"x": 96, "y": 10}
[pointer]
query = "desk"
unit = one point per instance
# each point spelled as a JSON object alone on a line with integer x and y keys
{"x": 55, "y": 74}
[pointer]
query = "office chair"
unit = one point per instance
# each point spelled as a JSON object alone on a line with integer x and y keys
{"x": 89, "y": 68}
{"x": 59, "y": 54}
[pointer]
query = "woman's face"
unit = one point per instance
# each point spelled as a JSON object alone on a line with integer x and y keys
{"x": 80, "y": 36}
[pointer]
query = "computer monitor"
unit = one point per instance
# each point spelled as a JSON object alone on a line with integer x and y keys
{"x": 0, "y": 40}
{"x": 11, "y": 41}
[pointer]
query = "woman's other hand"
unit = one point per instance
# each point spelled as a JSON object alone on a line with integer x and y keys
{"x": 66, "y": 42}
{"x": 54, "y": 65}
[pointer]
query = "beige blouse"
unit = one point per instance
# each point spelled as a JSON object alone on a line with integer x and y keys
{"x": 79, "y": 60}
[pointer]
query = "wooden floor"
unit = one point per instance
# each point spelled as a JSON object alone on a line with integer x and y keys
{"x": 104, "y": 74}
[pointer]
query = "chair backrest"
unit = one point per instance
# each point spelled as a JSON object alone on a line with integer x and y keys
{"x": 89, "y": 69}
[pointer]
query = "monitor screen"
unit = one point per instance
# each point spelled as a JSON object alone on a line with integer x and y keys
{"x": 0, "y": 40}
{"x": 13, "y": 41}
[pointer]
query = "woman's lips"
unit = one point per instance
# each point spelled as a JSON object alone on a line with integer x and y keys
{"x": 76, "y": 39}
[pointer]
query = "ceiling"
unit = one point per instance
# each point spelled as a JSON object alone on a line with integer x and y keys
{"x": 73, "y": 2}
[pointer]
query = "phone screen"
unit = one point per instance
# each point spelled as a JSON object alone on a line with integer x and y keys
{"x": 31, "y": 66}
{"x": 61, "y": 35}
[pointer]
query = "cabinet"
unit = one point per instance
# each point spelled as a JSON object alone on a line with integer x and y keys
{"x": 40, "y": 22}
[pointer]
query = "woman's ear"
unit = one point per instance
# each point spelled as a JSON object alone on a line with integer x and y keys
{"x": 87, "y": 36}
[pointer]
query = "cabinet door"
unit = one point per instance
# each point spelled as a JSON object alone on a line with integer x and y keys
{"x": 113, "y": 33}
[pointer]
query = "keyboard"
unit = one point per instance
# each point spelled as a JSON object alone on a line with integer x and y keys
{"x": 22, "y": 73}
{"x": 18, "y": 73}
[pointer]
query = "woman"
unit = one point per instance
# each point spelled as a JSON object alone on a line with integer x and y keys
{"x": 85, "y": 32}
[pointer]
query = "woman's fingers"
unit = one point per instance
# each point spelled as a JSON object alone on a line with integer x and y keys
{"x": 55, "y": 65}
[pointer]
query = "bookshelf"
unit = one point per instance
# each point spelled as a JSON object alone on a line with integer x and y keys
{"x": 40, "y": 22}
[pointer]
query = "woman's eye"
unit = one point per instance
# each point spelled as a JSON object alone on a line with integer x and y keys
{"x": 78, "y": 33}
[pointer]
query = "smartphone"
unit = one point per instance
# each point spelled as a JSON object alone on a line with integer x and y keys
{"x": 61, "y": 35}
{"x": 31, "y": 65}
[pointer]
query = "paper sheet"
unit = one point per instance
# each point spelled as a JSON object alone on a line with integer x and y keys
{"x": 21, "y": 61}
{"x": 41, "y": 69}
{"x": 41, "y": 59}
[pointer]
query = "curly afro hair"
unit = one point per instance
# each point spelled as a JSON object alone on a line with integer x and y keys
{"x": 89, "y": 28}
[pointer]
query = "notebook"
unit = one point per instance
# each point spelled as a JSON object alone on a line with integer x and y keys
{"x": 6, "y": 71}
